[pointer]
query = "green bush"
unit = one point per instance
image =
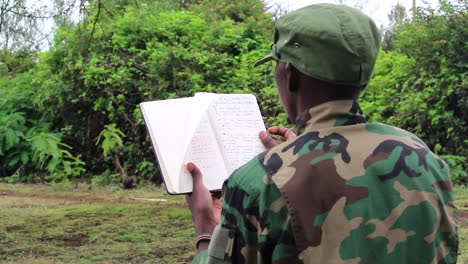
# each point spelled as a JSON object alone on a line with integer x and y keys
{"x": 73, "y": 110}
{"x": 27, "y": 150}
{"x": 421, "y": 86}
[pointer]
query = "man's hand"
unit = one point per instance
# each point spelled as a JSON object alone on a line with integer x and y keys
{"x": 206, "y": 208}
{"x": 269, "y": 141}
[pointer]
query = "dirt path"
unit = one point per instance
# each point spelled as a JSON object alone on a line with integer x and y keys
{"x": 71, "y": 199}
{"x": 108, "y": 199}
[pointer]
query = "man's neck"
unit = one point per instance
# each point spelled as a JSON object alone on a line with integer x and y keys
{"x": 312, "y": 92}
{"x": 329, "y": 114}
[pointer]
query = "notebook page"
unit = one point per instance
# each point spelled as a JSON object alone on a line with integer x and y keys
{"x": 166, "y": 122}
{"x": 204, "y": 152}
{"x": 198, "y": 110}
{"x": 237, "y": 121}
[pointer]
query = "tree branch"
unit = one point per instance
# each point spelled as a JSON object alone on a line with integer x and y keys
{"x": 96, "y": 18}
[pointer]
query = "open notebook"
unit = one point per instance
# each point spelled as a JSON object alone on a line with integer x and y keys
{"x": 217, "y": 132}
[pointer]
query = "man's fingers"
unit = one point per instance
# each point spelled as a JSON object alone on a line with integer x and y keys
{"x": 273, "y": 130}
{"x": 284, "y": 132}
{"x": 288, "y": 134}
{"x": 267, "y": 140}
{"x": 196, "y": 175}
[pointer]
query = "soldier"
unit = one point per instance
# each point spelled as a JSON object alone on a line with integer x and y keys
{"x": 344, "y": 190}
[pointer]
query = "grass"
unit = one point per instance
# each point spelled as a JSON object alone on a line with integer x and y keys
{"x": 59, "y": 224}
{"x": 461, "y": 195}
{"x": 42, "y": 225}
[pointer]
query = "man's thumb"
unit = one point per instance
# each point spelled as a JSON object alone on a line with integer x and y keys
{"x": 196, "y": 174}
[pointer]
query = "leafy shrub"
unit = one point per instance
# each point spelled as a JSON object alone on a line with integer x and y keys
{"x": 421, "y": 85}
{"x": 73, "y": 110}
{"x": 27, "y": 150}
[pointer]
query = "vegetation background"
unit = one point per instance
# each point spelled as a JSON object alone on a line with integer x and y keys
{"x": 69, "y": 113}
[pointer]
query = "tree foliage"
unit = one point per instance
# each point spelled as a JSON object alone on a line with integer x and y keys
{"x": 73, "y": 110}
{"x": 422, "y": 85}
{"x": 396, "y": 17}
{"x": 88, "y": 86}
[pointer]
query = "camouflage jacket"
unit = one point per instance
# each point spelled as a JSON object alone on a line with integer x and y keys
{"x": 344, "y": 191}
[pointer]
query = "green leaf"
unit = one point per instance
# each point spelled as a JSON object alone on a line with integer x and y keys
{"x": 10, "y": 138}
{"x": 112, "y": 139}
{"x": 53, "y": 148}
{"x": 14, "y": 161}
{"x": 24, "y": 157}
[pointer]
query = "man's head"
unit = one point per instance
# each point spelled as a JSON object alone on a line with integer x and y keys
{"x": 323, "y": 46}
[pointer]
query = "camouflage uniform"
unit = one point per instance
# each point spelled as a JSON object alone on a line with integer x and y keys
{"x": 344, "y": 191}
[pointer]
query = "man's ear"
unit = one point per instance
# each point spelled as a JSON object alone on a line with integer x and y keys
{"x": 291, "y": 77}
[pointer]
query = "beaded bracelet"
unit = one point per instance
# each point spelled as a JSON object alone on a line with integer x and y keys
{"x": 202, "y": 237}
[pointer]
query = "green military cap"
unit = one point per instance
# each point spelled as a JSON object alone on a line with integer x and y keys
{"x": 332, "y": 43}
